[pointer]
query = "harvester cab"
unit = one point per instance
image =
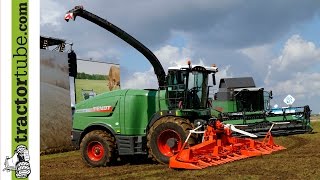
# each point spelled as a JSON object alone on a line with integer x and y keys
{"x": 187, "y": 86}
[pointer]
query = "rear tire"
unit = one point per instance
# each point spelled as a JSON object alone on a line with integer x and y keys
{"x": 166, "y": 137}
{"x": 98, "y": 148}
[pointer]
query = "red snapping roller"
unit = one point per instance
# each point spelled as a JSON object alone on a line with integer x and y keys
{"x": 219, "y": 147}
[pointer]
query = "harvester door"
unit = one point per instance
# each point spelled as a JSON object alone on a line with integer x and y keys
{"x": 176, "y": 90}
{"x": 197, "y": 88}
{"x": 139, "y": 107}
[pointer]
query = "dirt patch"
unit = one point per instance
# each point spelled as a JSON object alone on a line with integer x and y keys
{"x": 301, "y": 160}
{"x": 297, "y": 142}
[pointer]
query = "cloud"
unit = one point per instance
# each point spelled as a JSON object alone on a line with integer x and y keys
{"x": 224, "y": 73}
{"x": 173, "y": 56}
{"x": 293, "y": 72}
{"x": 259, "y": 56}
{"x": 297, "y": 56}
{"x": 206, "y": 25}
{"x": 261, "y": 53}
{"x": 141, "y": 80}
{"x": 170, "y": 56}
{"x": 302, "y": 85}
{"x": 228, "y": 24}
{"x": 51, "y": 14}
{"x": 237, "y": 35}
{"x": 242, "y": 24}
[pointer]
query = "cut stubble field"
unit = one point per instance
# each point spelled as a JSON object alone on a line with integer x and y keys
{"x": 301, "y": 160}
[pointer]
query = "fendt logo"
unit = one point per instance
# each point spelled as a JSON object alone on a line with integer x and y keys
{"x": 96, "y": 109}
{"x": 19, "y": 162}
{"x": 102, "y": 109}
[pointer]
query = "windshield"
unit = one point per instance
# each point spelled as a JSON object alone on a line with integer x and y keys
{"x": 197, "y": 86}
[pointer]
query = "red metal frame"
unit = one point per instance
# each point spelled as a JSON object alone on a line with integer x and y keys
{"x": 219, "y": 147}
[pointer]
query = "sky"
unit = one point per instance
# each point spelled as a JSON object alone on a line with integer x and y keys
{"x": 275, "y": 42}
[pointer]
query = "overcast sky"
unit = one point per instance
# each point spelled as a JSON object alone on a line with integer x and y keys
{"x": 276, "y": 42}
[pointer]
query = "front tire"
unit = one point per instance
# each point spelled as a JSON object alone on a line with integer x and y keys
{"x": 166, "y": 137}
{"x": 98, "y": 148}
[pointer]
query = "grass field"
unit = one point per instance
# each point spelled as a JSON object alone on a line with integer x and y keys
{"x": 98, "y": 86}
{"x": 301, "y": 160}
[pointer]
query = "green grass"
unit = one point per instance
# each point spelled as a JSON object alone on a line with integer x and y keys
{"x": 98, "y": 86}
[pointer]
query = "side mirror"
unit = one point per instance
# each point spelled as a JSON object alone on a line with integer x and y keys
{"x": 214, "y": 79}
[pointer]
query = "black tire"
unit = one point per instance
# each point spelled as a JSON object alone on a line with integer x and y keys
{"x": 175, "y": 127}
{"x": 98, "y": 148}
{"x": 23, "y": 169}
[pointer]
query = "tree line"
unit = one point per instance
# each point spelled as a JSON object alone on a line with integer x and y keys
{"x": 83, "y": 75}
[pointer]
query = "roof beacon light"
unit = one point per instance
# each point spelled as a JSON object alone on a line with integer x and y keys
{"x": 189, "y": 63}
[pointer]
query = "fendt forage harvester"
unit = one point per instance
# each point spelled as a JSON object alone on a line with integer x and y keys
{"x": 159, "y": 122}
{"x": 145, "y": 121}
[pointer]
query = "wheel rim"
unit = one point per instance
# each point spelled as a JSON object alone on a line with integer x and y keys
{"x": 163, "y": 139}
{"x": 95, "y": 151}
